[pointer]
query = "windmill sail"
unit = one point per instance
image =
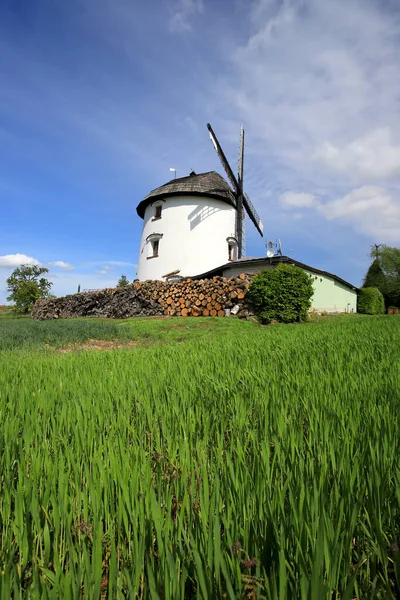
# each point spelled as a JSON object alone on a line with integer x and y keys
{"x": 251, "y": 211}
{"x": 239, "y": 201}
{"x": 222, "y": 158}
{"x": 242, "y": 199}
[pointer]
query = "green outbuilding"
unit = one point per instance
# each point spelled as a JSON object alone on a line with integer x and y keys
{"x": 331, "y": 293}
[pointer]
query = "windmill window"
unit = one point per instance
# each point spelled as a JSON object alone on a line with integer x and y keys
{"x": 154, "y": 244}
{"x": 232, "y": 248}
{"x": 157, "y": 206}
{"x": 157, "y": 212}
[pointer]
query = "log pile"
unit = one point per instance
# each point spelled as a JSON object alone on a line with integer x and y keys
{"x": 201, "y": 297}
{"x": 190, "y": 297}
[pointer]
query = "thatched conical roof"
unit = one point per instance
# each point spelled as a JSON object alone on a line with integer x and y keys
{"x": 209, "y": 184}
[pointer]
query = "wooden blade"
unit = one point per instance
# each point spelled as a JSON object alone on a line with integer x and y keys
{"x": 251, "y": 211}
{"x": 241, "y": 157}
{"x": 223, "y": 159}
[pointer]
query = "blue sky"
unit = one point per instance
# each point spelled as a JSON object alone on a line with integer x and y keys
{"x": 99, "y": 98}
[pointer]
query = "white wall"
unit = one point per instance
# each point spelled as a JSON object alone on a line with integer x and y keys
{"x": 194, "y": 232}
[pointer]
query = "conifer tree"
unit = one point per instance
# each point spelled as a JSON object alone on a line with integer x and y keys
{"x": 123, "y": 280}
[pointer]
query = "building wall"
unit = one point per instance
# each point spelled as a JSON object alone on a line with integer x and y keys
{"x": 332, "y": 296}
{"x": 251, "y": 270}
{"x": 329, "y": 294}
{"x": 194, "y": 232}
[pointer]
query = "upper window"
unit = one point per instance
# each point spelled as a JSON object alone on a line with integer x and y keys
{"x": 157, "y": 207}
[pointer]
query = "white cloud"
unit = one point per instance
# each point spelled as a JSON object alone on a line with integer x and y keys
{"x": 60, "y": 264}
{"x": 104, "y": 270}
{"x": 120, "y": 263}
{"x": 184, "y": 12}
{"x": 370, "y": 210}
{"x": 15, "y": 260}
{"x": 297, "y": 200}
{"x": 317, "y": 84}
{"x": 371, "y": 156}
{"x": 296, "y": 216}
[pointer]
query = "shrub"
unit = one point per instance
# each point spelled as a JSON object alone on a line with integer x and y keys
{"x": 282, "y": 294}
{"x": 370, "y": 301}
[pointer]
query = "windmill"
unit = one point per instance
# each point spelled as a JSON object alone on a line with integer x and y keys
{"x": 243, "y": 202}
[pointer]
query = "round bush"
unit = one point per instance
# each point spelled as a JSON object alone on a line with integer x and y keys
{"x": 370, "y": 301}
{"x": 283, "y": 294}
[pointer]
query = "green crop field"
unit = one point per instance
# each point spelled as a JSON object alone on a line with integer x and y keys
{"x": 200, "y": 458}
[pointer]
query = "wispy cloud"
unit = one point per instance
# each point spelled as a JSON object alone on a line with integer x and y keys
{"x": 318, "y": 85}
{"x": 370, "y": 210}
{"x": 373, "y": 156}
{"x": 15, "y": 260}
{"x": 104, "y": 270}
{"x": 297, "y": 200}
{"x": 184, "y": 12}
{"x": 60, "y": 264}
{"x": 120, "y": 263}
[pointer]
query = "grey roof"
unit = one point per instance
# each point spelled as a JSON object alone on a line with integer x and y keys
{"x": 264, "y": 260}
{"x": 209, "y": 184}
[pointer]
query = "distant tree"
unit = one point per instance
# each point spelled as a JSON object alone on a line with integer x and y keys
{"x": 26, "y": 286}
{"x": 384, "y": 273}
{"x": 123, "y": 280}
{"x": 375, "y": 277}
{"x": 370, "y": 301}
{"x": 390, "y": 261}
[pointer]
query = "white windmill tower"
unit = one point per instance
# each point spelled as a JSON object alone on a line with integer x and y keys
{"x": 194, "y": 224}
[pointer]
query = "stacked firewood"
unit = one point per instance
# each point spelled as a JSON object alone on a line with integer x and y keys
{"x": 189, "y": 297}
{"x": 198, "y": 297}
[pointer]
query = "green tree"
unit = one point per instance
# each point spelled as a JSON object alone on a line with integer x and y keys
{"x": 370, "y": 301}
{"x": 390, "y": 262}
{"x": 123, "y": 280}
{"x": 26, "y": 286}
{"x": 384, "y": 273}
{"x": 375, "y": 277}
{"x": 282, "y": 294}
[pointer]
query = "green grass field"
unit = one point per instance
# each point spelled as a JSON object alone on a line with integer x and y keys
{"x": 200, "y": 458}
